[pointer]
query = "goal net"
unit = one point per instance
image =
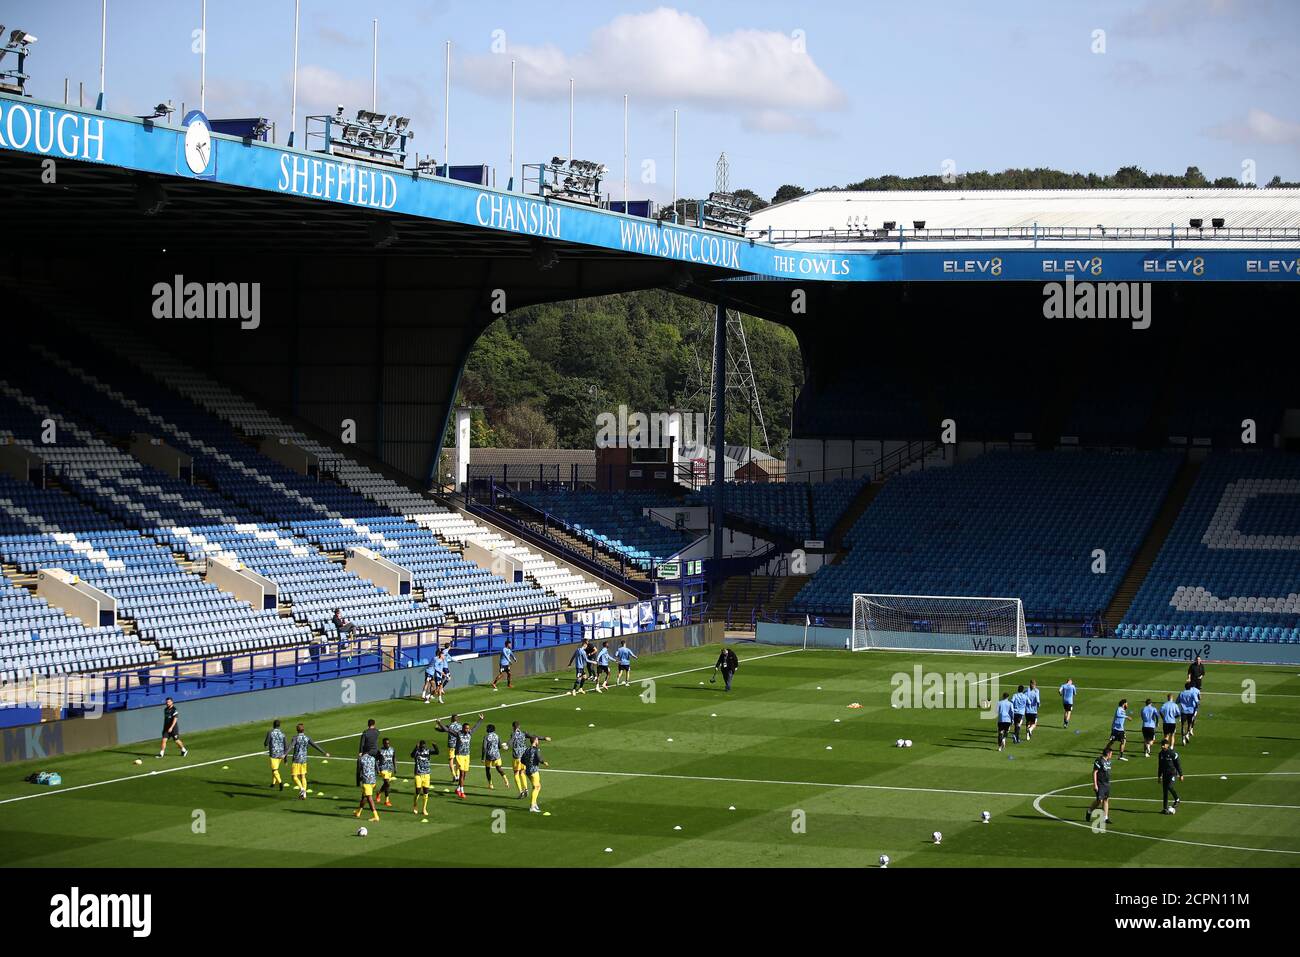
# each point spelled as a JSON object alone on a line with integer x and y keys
{"x": 939, "y": 623}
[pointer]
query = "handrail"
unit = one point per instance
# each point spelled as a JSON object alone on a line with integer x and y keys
{"x": 1167, "y": 233}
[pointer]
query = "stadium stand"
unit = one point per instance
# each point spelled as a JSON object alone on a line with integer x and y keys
{"x": 1229, "y": 567}
{"x": 1004, "y": 524}
{"x": 613, "y": 521}
{"x": 793, "y": 510}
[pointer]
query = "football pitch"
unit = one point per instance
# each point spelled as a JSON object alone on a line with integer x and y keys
{"x": 679, "y": 773}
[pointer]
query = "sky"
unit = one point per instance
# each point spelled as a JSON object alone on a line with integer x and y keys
{"x": 814, "y": 93}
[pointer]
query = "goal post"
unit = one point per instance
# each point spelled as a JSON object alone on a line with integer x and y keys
{"x": 939, "y": 623}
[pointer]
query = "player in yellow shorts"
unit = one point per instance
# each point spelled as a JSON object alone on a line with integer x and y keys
{"x": 518, "y": 744}
{"x": 462, "y": 737}
{"x": 492, "y": 757}
{"x": 276, "y": 748}
{"x": 366, "y": 774}
{"x": 533, "y": 764}
{"x": 387, "y": 765}
{"x": 298, "y": 746}
{"x": 421, "y": 755}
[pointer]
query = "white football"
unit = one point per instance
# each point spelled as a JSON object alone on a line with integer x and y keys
{"x": 900, "y": 742}
{"x": 907, "y": 743}
{"x": 884, "y": 860}
{"x": 362, "y": 832}
{"x": 984, "y": 816}
{"x": 938, "y": 838}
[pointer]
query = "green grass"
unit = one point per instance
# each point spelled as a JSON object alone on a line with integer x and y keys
{"x": 622, "y": 784}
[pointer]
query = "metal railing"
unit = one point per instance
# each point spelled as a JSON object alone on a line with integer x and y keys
{"x": 125, "y": 688}
{"x": 1032, "y": 234}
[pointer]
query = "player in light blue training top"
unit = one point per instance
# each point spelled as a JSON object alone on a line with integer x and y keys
{"x": 624, "y": 654}
{"x": 1033, "y": 698}
{"x": 1066, "y": 691}
{"x": 1170, "y": 713}
{"x": 1018, "y": 705}
{"x": 579, "y": 662}
{"x": 602, "y": 667}
{"x": 1189, "y": 702}
{"x": 1117, "y": 726}
{"x": 503, "y": 665}
{"x": 1004, "y": 720}
{"x": 1149, "y": 714}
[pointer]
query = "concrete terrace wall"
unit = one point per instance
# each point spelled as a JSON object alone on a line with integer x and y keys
{"x": 54, "y": 738}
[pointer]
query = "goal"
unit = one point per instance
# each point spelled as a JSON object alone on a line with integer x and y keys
{"x": 939, "y": 623}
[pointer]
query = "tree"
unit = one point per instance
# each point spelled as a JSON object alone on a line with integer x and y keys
{"x": 788, "y": 191}
{"x": 525, "y": 427}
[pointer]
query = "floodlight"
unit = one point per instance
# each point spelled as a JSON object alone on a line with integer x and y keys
{"x": 918, "y": 224}
{"x": 889, "y": 225}
{"x": 20, "y": 37}
{"x": 402, "y": 123}
{"x": 1217, "y": 222}
{"x": 1195, "y": 223}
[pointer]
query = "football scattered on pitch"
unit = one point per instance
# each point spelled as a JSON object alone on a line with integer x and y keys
{"x": 138, "y": 761}
{"x": 984, "y": 706}
{"x": 985, "y": 816}
{"x": 938, "y": 837}
{"x": 884, "y": 860}
{"x": 1173, "y": 810}
{"x": 362, "y": 832}
{"x": 609, "y": 850}
{"x": 907, "y": 743}
{"x": 899, "y": 743}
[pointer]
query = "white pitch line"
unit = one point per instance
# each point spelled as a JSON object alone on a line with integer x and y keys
{"x": 1228, "y": 694}
{"x": 1153, "y": 837}
{"x": 341, "y": 737}
{"x": 1008, "y": 674}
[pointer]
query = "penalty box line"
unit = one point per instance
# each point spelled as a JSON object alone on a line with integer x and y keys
{"x": 342, "y": 737}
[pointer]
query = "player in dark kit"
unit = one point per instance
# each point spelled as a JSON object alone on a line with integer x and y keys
{"x": 727, "y": 663}
{"x": 1196, "y": 673}
{"x": 1168, "y": 768}
{"x": 387, "y": 767}
{"x": 1100, "y": 786}
{"x": 421, "y": 754}
{"x": 171, "y": 728}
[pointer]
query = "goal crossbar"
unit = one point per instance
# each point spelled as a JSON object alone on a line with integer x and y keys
{"x": 967, "y": 624}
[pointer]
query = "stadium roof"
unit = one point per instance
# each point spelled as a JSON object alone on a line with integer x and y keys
{"x": 822, "y": 213}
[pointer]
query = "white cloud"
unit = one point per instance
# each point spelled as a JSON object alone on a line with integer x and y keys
{"x": 1261, "y": 127}
{"x": 321, "y": 88}
{"x": 666, "y": 56}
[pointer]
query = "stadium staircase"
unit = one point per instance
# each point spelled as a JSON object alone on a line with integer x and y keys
{"x": 835, "y": 538}
{"x": 519, "y": 519}
{"x": 1155, "y": 540}
{"x": 743, "y": 599}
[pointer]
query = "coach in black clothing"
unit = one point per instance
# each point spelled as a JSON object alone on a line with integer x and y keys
{"x": 1195, "y": 672}
{"x": 727, "y": 664}
{"x": 1167, "y": 769}
{"x": 369, "y": 745}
